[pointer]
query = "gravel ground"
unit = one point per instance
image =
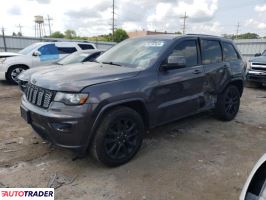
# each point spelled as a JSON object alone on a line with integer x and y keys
{"x": 195, "y": 158}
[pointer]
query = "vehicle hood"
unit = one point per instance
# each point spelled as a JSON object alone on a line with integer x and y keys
{"x": 8, "y": 54}
{"x": 74, "y": 77}
{"x": 260, "y": 59}
{"x": 25, "y": 75}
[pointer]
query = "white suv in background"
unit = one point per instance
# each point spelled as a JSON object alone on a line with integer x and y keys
{"x": 37, "y": 54}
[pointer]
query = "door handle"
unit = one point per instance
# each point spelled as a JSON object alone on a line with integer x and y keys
{"x": 196, "y": 71}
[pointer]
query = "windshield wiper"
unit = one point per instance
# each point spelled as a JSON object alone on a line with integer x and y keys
{"x": 111, "y": 63}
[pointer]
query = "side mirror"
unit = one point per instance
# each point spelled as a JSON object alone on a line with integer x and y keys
{"x": 174, "y": 62}
{"x": 257, "y": 54}
{"x": 36, "y": 53}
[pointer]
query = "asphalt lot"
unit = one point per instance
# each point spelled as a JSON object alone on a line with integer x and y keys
{"x": 195, "y": 158}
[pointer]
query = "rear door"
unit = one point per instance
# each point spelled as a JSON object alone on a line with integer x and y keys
{"x": 232, "y": 58}
{"x": 212, "y": 60}
{"x": 180, "y": 90}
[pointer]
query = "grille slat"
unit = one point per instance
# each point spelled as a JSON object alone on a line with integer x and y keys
{"x": 259, "y": 68}
{"x": 39, "y": 96}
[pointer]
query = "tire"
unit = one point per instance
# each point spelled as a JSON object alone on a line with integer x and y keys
{"x": 118, "y": 137}
{"x": 228, "y": 102}
{"x": 14, "y": 71}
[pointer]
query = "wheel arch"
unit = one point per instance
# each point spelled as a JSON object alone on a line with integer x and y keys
{"x": 13, "y": 65}
{"x": 136, "y": 104}
{"x": 239, "y": 83}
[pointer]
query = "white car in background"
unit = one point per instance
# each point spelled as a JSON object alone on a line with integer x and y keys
{"x": 255, "y": 186}
{"x": 37, "y": 54}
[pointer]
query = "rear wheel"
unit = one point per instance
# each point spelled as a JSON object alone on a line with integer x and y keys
{"x": 228, "y": 103}
{"x": 13, "y": 72}
{"x": 118, "y": 137}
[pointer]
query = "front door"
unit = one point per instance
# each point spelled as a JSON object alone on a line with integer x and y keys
{"x": 49, "y": 55}
{"x": 180, "y": 90}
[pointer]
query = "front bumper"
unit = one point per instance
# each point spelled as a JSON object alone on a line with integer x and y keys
{"x": 61, "y": 125}
{"x": 256, "y": 76}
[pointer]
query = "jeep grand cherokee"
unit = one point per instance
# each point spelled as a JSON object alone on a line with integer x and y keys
{"x": 105, "y": 107}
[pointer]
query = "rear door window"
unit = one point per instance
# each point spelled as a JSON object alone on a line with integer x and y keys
{"x": 211, "y": 52}
{"x": 66, "y": 50}
{"x": 230, "y": 53}
{"x": 85, "y": 46}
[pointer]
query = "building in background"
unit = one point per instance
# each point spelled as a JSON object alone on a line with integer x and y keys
{"x": 143, "y": 33}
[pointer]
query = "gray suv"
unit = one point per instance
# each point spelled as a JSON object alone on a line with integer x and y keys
{"x": 105, "y": 107}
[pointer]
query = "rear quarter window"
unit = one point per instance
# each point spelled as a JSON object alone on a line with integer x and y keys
{"x": 230, "y": 53}
{"x": 211, "y": 51}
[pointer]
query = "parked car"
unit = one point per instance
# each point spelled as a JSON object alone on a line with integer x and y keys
{"x": 255, "y": 186}
{"x": 76, "y": 57}
{"x": 140, "y": 83}
{"x": 257, "y": 71}
{"x": 37, "y": 54}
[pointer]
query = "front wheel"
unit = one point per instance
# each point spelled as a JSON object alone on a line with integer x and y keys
{"x": 228, "y": 103}
{"x": 118, "y": 137}
{"x": 13, "y": 72}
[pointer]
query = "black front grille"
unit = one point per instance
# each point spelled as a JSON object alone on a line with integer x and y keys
{"x": 259, "y": 68}
{"x": 39, "y": 96}
{"x": 259, "y": 64}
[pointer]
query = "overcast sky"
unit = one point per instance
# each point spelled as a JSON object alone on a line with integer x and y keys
{"x": 93, "y": 17}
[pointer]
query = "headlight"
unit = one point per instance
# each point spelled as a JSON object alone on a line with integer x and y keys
{"x": 71, "y": 98}
{"x": 2, "y": 60}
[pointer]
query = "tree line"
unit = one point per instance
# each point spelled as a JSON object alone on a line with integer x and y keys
{"x": 119, "y": 35}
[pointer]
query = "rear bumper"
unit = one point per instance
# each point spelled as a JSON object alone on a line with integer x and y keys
{"x": 67, "y": 128}
{"x": 2, "y": 72}
{"x": 256, "y": 76}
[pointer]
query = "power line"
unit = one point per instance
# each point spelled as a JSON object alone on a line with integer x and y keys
{"x": 113, "y": 21}
{"x": 184, "y": 22}
{"x": 237, "y": 29}
{"x": 4, "y": 38}
{"x": 20, "y": 28}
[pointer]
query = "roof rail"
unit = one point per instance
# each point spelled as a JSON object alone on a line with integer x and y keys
{"x": 202, "y": 35}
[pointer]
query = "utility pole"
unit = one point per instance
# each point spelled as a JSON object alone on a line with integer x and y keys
{"x": 113, "y": 23}
{"x": 237, "y": 29}
{"x": 184, "y": 22}
{"x": 4, "y": 38}
{"x": 49, "y": 19}
{"x": 20, "y": 29}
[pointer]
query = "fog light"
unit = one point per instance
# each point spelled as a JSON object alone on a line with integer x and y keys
{"x": 63, "y": 127}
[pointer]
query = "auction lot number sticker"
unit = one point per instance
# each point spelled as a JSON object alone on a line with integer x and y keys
{"x": 26, "y": 193}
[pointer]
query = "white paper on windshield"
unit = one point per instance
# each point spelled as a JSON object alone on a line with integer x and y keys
{"x": 154, "y": 44}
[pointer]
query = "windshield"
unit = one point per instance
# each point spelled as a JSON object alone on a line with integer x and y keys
{"x": 28, "y": 49}
{"x": 137, "y": 53}
{"x": 73, "y": 58}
